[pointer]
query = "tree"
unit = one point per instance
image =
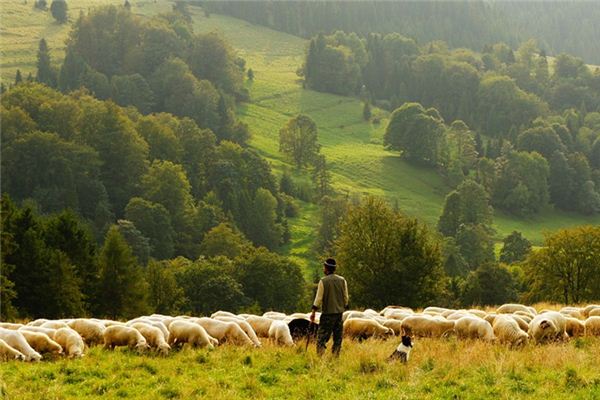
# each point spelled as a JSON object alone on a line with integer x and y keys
{"x": 416, "y": 132}
{"x": 224, "y": 240}
{"x": 367, "y": 111}
{"x": 127, "y": 5}
{"x": 332, "y": 211}
{"x": 270, "y": 280}
{"x": 154, "y": 222}
{"x": 476, "y": 244}
{"x": 468, "y": 204}
{"x": 250, "y": 74}
{"x": 122, "y": 288}
{"x": 7, "y": 248}
{"x": 210, "y": 286}
{"x": 164, "y": 294}
{"x": 515, "y": 248}
{"x": 567, "y": 268}
{"x": 58, "y": 8}
{"x": 139, "y": 244}
{"x": 388, "y": 258}
{"x": 45, "y": 73}
{"x": 261, "y": 225}
{"x": 298, "y": 140}
{"x": 18, "y": 77}
{"x": 490, "y": 284}
{"x": 321, "y": 177}
{"x": 132, "y": 90}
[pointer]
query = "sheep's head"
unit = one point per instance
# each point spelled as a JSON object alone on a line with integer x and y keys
{"x": 142, "y": 346}
{"x": 164, "y": 348}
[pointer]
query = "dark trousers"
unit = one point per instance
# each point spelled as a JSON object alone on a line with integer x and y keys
{"x": 330, "y": 324}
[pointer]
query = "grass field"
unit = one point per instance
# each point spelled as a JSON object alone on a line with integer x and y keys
{"x": 438, "y": 369}
{"x": 359, "y": 163}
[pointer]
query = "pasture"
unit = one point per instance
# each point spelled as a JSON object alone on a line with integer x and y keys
{"x": 438, "y": 369}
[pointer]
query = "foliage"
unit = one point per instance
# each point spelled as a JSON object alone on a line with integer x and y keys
{"x": 567, "y": 268}
{"x": 224, "y": 240}
{"x": 45, "y": 72}
{"x": 164, "y": 294}
{"x": 388, "y": 258}
{"x": 58, "y": 9}
{"x": 468, "y": 204}
{"x": 489, "y": 284}
{"x": 515, "y": 248}
{"x": 298, "y": 140}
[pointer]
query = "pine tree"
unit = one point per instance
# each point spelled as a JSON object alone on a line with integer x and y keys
{"x": 18, "y": 77}
{"x": 250, "y": 74}
{"x": 45, "y": 73}
{"x": 367, "y": 111}
{"x": 59, "y": 8}
{"x": 127, "y": 5}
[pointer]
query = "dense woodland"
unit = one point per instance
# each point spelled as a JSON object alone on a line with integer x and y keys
{"x": 128, "y": 186}
{"x": 560, "y": 27}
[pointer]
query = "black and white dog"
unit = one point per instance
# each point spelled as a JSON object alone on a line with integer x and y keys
{"x": 402, "y": 352}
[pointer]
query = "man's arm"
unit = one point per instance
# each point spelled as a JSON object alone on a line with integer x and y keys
{"x": 346, "y": 297}
{"x": 319, "y": 297}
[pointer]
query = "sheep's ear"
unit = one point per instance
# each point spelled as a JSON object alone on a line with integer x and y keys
{"x": 544, "y": 324}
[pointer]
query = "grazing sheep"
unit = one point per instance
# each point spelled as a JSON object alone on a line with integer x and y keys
{"x": 37, "y": 322}
{"x": 41, "y": 343}
{"x": 91, "y": 332}
{"x": 124, "y": 336}
{"x": 279, "y": 332}
{"x": 260, "y": 325}
{"x": 223, "y": 314}
{"x": 490, "y": 318}
{"x": 477, "y": 313}
{"x": 458, "y": 315}
{"x": 507, "y": 331}
{"x": 9, "y": 353}
{"x": 586, "y": 310}
{"x": 246, "y": 327}
{"x": 548, "y": 326}
{"x": 47, "y": 331}
{"x": 524, "y": 325}
{"x": 425, "y": 326}
{"x": 573, "y": 313}
{"x": 575, "y": 327}
{"x": 395, "y": 309}
{"x": 595, "y": 312}
{"x": 355, "y": 314}
{"x": 152, "y": 322}
{"x": 364, "y": 328}
{"x": 395, "y": 325}
{"x": 474, "y": 328}
{"x": 437, "y": 310}
{"x": 71, "y": 342}
{"x": 592, "y": 326}
{"x": 221, "y": 330}
{"x": 54, "y": 324}
{"x": 17, "y": 341}
{"x": 527, "y": 317}
{"x": 154, "y": 337}
{"x": 275, "y": 315}
{"x": 397, "y": 314}
{"x": 512, "y": 308}
{"x": 181, "y": 331}
{"x": 11, "y": 326}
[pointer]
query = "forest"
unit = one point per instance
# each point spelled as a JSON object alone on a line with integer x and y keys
{"x": 129, "y": 185}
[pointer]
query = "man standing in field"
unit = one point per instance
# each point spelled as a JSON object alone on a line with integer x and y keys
{"x": 332, "y": 297}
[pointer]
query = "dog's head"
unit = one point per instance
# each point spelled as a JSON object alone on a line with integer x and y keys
{"x": 407, "y": 341}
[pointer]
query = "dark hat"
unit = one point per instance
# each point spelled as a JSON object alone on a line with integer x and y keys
{"x": 330, "y": 263}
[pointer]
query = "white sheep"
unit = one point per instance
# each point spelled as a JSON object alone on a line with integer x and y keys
{"x": 246, "y": 327}
{"x": 47, "y": 331}
{"x": 427, "y": 326}
{"x": 595, "y": 312}
{"x": 507, "y": 331}
{"x": 592, "y": 326}
{"x": 474, "y": 328}
{"x": 274, "y": 315}
{"x": 71, "y": 342}
{"x": 41, "y": 343}
{"x": 54, "y": 324}
{"x": 154, "y": 337}
{"x": 117, "y": 335}
{"x": 223, "y": 314}
{"x": 512, "y": 308}
{"x": 279, "y": 332}
{"x": 260, "y": 325}
{"x": 11, "y": 326}
{"x": 586, "y": 310}
{"x": 575, "y": 327}
{"x": 37, "y": 322}
{"x": 181, "y": 331}
{"x": 395, "y": 325}
{"x": 9, "y": 353}
{"x": 524, "y": 325}
{"x": 92, "y": 332}
{"x": 224, "y": 331}
{"x": 550, "y": 325}
{"x": 364, "y": 328}
{"x": 17, "y": 341}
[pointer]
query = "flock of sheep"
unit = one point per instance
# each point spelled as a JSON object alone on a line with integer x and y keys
{"x": 512, "y": 324}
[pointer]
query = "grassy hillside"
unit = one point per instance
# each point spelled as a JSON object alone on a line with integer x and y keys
{"x": 353, "y": 147}
{"x": 438, "y": 369}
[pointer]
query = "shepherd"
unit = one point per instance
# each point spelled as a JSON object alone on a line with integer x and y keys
{"x": 332, "y": 298}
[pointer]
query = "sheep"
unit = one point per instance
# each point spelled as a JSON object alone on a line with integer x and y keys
{"x": 395, "y": 309}
{"x": 474, "y": 328}
{"x": 152, "y": 322}
{"x": 574, "y": 313}
{"x": 397, "y": 314}
{"x": 477, "y": 313}
{"x": 512, "y": 308}
{"x": 91, "y": 332}
{"x": 592, "y": 326}
{"x": 154, "y": 337}
{"x": 458, "y": 315}
{"x": 124, "y": 336}
{"x": 246, "y": 327}
{"x": 364, "y": 328}
{"x": 260, "y": 325}
{"x": 594, "y": 312}
{"x": 17, "y": 341}
{"x": 422, "y": 325}
{"x": 181, "y": 331}
{"x": 371, "y": 312}
{"x": 274, "y": 315}
{"x": 575, "y": 327}
{"x": 490, "y": 318}
{"x": 223, "y": 314}
{"x": 11, "y": 326}
{"x": 548, "y": 326}
{"x": 507, "y": 331}
{"x": 47, "y": 331}
{"x": 37, "y": 322}
{"x": 54, "y": 324}
{"x": 355, "y": 314}
{"x": 526, "y": 316}
{"x": 586, "y": 310}
{"x": 9, "y": 353}
{"x": 224, "y": 330}
{"x": 41, "y": 343}
{"x": 437, "y": 310}
{"x": 279, "y": 332}
{"x": 524, "y": 325}
{"x": 395, "y": 325}
{"x": 71, "y": 342}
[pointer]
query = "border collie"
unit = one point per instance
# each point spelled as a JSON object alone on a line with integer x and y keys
{"x": 402, "y": 352}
